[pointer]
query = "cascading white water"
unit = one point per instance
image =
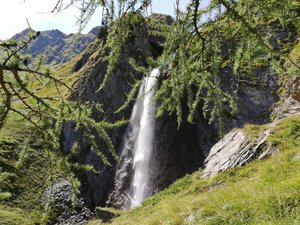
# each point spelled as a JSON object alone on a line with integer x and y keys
{"x": 143, "y": 139}
{"x": 132, "y": 175}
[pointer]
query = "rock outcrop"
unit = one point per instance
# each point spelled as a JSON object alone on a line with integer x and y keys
{"x": 290, "y": 104}
{"x": 295, "y": 93}
{"x": 92, "y": 69}
{"x": 63, "y": 207}
{"x": 237, "y": 149}
{"x": 256, "y": 97}
{"x": 176, "y": 151}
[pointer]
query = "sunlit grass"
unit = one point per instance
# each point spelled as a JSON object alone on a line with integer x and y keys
{"x": 24, "y": 177}
{"x": 262, "y": 192}
{"x": 16, "y": 216}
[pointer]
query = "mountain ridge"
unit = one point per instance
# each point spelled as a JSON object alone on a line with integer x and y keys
{"x": 55, "y": 46}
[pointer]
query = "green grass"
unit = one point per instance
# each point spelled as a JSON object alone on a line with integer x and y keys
{"x": 253, "y": 131}
{"x": 24, "y": 175}
{"x": 25, "y": 166}
{"x": 65, "y": 75}
{"x": 16, "y": 216}
{"x": 262, "y": 192}
{"x": 295, "y": 53}
{"x": 24, "y": 163}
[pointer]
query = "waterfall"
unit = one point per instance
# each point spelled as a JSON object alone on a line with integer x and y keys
{"x": 132, "y": 176}
{"x": 143, "y": 142}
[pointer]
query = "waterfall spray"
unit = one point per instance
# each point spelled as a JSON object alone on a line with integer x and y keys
{"x": 143, "y": 143}
{"x": 132, "y": 175}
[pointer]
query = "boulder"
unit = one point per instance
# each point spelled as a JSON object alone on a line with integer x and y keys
{"x": 65, "y": 211}
{"x": 236, "y": 149}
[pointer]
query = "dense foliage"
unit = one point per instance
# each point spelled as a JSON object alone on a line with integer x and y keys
{"x": 34, "y": 109}
{"x": 199, "y": 46}
{"x": 226, "y": 35}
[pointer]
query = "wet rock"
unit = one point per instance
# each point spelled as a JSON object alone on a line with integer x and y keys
{"x": 91, "y": 71}
{"x": 119, "y": 196}
{"x": 176, "y": 152}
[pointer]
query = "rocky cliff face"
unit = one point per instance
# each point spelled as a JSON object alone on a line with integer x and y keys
{"x": 57, "y": 47}
{"x": 258, "y": 101}
{"x": 92, "y": 69}
{"x": 181, "y": 151}
{"x": 176, "y": 151}
{"x": 237, "y": 148}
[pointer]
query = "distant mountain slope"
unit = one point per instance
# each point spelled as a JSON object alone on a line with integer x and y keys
{"x": 57, "y": 47}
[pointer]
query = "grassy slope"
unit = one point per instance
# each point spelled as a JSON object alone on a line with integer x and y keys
{"x": 24, "y": 182}
{"x": 21, "y": 184}
{"x": 16, "y": 216}
{"x": 262, "y": 192}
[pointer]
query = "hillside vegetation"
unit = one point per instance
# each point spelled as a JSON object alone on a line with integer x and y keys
{"x": 262, "y": 192}
{"x": 194, "y": 65}
{"x": 25, "y": 169}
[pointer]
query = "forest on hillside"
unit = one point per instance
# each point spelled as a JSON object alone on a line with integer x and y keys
{"x": 223, "y": 64}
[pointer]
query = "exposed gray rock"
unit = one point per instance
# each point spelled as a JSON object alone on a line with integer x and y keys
{"x": 290, "y": 105}
{"x": 71, "y": 135}
{"x": 235, "y": 149}
{"x": 91, "y": 69}
{"x": 295, "y": 93}
{"x": 169, "y": 161}
{"x": 256, "y": 97}
{"x": 176, "y": 152}
{"x": 111, "y": 98}
{"x": 55, "y": 46}
{"x": 119, "y": 197}
{"x": 65, "y": 210}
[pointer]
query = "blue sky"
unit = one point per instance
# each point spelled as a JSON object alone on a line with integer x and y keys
{"x": 13, "y": 15}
